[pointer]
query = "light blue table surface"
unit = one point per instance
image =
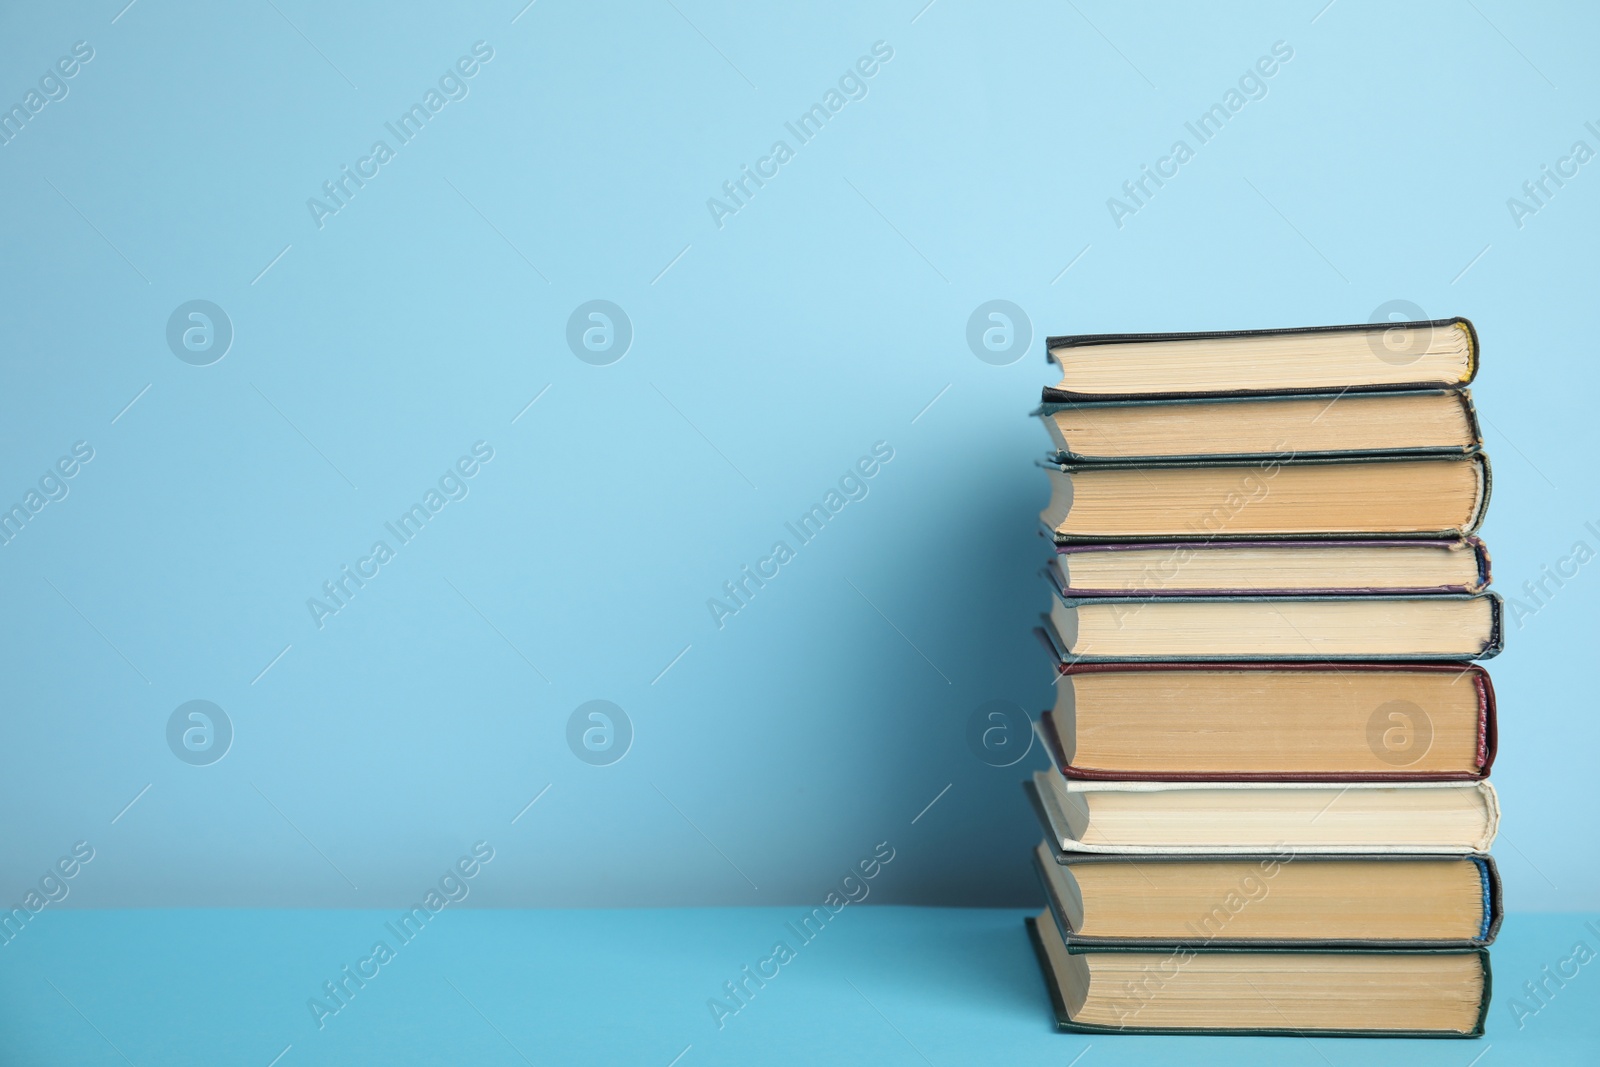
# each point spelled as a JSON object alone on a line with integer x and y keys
{"x": 889, "y": 985}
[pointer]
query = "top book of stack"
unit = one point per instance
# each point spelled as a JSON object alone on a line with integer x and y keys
{"x": 1365, "y": 357}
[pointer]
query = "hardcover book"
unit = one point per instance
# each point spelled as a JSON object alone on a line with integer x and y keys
{"x": 1181, "y": 990}
{"x": 1419, "y": 422}
{"x": 1269, "y": 568}
{"x": 1442, "y": 353}
{"x": 1271, "y": 900}
{"x": 1272, "y": 722}
{"x": 1247, "y": 627}
{"x": 1170, "y": 818}
{"x": 1283, "y": 497}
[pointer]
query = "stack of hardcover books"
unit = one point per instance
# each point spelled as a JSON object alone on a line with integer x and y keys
{"x": 1268, "y": 808}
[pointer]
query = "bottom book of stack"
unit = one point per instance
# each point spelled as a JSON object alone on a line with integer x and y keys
{"x": 1173, "y": 934}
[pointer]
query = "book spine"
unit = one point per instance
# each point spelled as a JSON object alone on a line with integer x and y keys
{"x": 1487, "y": 474}
{"x": 1497, "y": 636}
{"x": 1485, "y": 564}
{"x": 1474, "y": 431}
{"x": 1489, "y": 731}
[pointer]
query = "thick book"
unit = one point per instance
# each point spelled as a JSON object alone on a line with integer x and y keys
{"x": 1249, "y": 627}
{"x": 1282, "y": 497}
{"x": 1171, "y": 818}
{"x": 1323, "y": 722}
{"x": 1271, "y": 900}
{"x": 1440, "y": 354}
{"x": 1181, "y": 990}
{"x": 1420, "y": 422}
{"x": 1269, "y": 568}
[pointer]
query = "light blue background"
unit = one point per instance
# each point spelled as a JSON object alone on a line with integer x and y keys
{"x": 768, "y": 356}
